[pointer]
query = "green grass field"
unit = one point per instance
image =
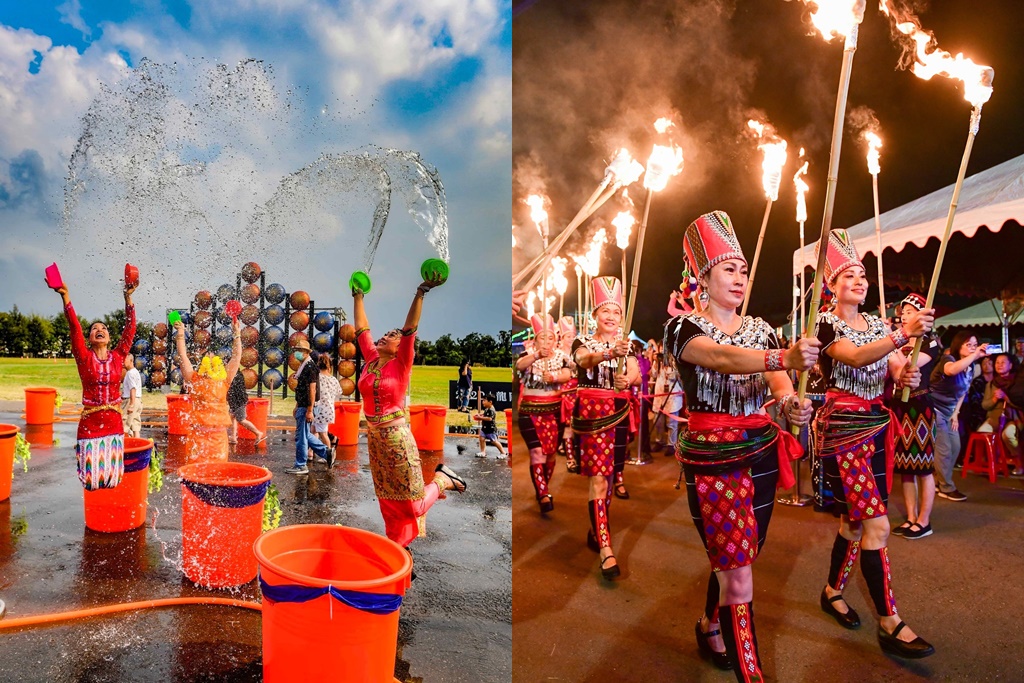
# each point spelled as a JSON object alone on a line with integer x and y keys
{"x": 429, "y": 384}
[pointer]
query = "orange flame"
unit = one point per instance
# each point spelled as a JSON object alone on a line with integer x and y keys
{"x": 801, "y": 191}
{"x": 774, "y": 149}
{"x": 836, "y": 18}
{"x": 623, "y": 224}
{"x": 664, "y": 163}
{"x": 590, "y": 262}
{"x": 874, "y": 144}
{"x": 537, "y": 213}
{"x": 663, "y": 124}
{"x": 557, "y": 280}
{"x": 929, "y": 60}
{"x": 623, "y": 169}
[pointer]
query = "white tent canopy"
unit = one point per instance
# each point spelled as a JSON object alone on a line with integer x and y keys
{"x": 989, "y": 198}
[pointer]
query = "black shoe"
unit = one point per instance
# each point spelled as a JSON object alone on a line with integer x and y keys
{"x": 902, "y": 528}
{"x": 953, "y": 495}
{"x": 548, "y": 505}
{"x": 592, "y": 542}
{"x": 917, "y": 531}
{"x": 849, "y": 620}
{"x": 612, "y": 572}
{"x": 719, "y": 659}
{"x": 915, "y": 649}
{"x": 621, "y": 492}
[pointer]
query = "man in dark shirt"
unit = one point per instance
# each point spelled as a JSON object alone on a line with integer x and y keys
{"x": 307, "y": 391}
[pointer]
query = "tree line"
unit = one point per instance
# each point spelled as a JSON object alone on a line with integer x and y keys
{"x": 36, "y": 335}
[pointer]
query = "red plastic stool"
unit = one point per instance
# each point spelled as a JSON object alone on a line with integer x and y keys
{"x": 985, "y": 456}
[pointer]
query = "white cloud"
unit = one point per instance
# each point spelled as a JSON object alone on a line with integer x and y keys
{"x": 71, "y": 14}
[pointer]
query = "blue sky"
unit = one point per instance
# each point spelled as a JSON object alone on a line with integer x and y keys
{"x": 433, "y": 77}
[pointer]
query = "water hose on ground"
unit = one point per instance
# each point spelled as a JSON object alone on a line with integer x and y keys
{"x": 47, "y": 619}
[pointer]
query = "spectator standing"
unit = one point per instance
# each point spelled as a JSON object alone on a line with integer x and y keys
{"x": 131, "y": 398}
{"x": 323, "y": 411}
{"x": 465, "y": 384}
{"x": 307, "y": 393}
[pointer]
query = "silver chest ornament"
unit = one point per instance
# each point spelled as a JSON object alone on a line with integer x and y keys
{"x": 867, "y": 382}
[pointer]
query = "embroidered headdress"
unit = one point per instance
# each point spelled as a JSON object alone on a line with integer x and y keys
{"x": 607, "y": 291}
{"x": 708, "y": 241}
{"x": 542, "y": 322}
{"x": 566, "y": 327}
{"x": 841, "y": 254}
{"x": 915, "y": 300}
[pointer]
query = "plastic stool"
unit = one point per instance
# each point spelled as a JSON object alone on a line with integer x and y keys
{"x": 985, "y": 456}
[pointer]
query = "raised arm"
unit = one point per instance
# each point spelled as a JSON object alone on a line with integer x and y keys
{"x": 236, "y": 350}
{"x": 359, "y": 311}
{"x": 124, "y": 344}
{"x": 78, "y": 348}
{"x": 179, "y": 341}
{"x": 848, "y": 353}
{"x": 732, "y": 360}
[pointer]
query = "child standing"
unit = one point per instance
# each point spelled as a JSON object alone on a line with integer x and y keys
{"x": 489, "y": 428}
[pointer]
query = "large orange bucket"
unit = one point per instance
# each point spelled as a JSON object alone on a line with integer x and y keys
{"x": 428, "y": 424}
{"x": 177, "y": 414}
{"x": 256, "y": 411}
{"x": 8, "y": 437}
{"x": 346, "y": 422}
{"x": 39, "y": 405}
{"x": 354, "y": 572}
{"x": 221, "y": 517}
{"x": 124, "y": 506}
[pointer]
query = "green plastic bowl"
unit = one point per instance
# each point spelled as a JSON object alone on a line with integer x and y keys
{"x": 173, "y": 317}
{"x": 360, "y": 280}
{"x": 434, "y": 268}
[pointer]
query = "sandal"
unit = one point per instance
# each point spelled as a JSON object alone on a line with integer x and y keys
{"x": 458, "y": 483}
{"x": 612, "y": 572}
{"x": 547, "y": 505}
{"x": 621, "y": 492}
{"x": 572, "y": 466}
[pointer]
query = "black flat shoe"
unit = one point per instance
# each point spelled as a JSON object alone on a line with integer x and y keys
{"x": 719, "y": 659}
{"x": 548, "y": 505}
{"x": 592, "y": 542}
{"x": 849, "y": 620}
{"x": 621, "y": 492}
{"x": 915, "y": 649}
{"x": 613, "y": 572}
{"x": 902, "y": 528}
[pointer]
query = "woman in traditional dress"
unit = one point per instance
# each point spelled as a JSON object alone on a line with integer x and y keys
{"x": 207, "y": 387}
{"x": 100, "y": 447}
{"x": 914, "y": 454}
{"x": 394, "y": 458}
{"x": 601, "y": 420}
{"x": 854, "y": 438}
{"x": 541, "y": 373}
{"x": 731, "y": 450}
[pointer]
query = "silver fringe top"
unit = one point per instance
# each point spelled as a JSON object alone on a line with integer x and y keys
{"x": 533, "y": 376}
{"x": 867, "y": 382}
{"x": 601, "y": 376}
{"x": 734, "y": 394}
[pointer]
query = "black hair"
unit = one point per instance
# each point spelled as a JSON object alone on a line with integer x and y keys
{"x": 959, "y": 339}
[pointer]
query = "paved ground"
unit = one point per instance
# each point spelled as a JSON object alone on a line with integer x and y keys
{"x": 455, "y": 622}
{"x": 959, "y": 588}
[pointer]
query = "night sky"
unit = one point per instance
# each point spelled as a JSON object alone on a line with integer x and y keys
{"x": 591, "y": 76}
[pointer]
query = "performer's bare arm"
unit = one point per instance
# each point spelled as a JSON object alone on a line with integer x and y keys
{"x": 732, "y": 360}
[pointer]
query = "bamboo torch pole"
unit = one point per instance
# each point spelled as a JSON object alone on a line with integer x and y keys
{"x": 757, "y": 255}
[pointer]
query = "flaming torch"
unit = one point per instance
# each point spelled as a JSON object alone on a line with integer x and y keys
{"x": 801, "y": 218}
{"x": 928, "y": 61}
{"x": 874, "y": 144}
{"x": 832, "y": 18}
{"x": 622, "y": 171}
{"x": 623, "y": 224}
{"x": 665, "y": 162}
{"x": 774, "y": 149}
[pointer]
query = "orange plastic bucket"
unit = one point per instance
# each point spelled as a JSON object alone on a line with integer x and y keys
{"x": 351, "y": 645}
{"x": 221, "y": 517}
{"x": 177, "y": 414}
{"x": 346, "y": 422}
{"x": 39, "y": 436}
{"x": 39, "y": 405}
{"x": 124, "y": 506}
{"x": 428, "y": 424}
{"x": 256, "y": 411}
{"x": 8, "y": 437}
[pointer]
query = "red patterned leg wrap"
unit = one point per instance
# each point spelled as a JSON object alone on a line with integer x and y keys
{"x": 727, "y": 513}
{"x": 599, "y": 522}
{"x": 874, "y": 564}
{"x": 549, "y": 466}
{"x": 540, "y": 480}
{"x": 618, "y": 477}
{"x": 741, "y": 641}
{"x": 844, "y": 556}
{"x": 859, "y": 488}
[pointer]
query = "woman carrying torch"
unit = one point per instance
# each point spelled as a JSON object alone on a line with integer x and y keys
{"x": 731, "y": 451}
{"x": 854, "y": 438}
{"x": 542, "y": 372}
{"x": 601, "y": 420}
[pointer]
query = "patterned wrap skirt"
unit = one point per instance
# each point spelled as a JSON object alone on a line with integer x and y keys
{"x": 601, "y": 428}
{"x": 568, "y": 401}
{"x": 915, "y": 447}
{"x": 855, "y": 439}
{"x": 397, "y": 480}
{"x": 539, "y": 422}
{"x": 100, "y": 461}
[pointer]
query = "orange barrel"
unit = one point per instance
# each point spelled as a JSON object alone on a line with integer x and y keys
{"x": 334, "y": 591}
{"x": 256, "y": 411}
{"x": 39, "y": 436}
{"x": 39, "y": 405}
{"x": 508, "y": 420}
{"x": 124, "y": 506}
{"x": 428, "y": 424}
{"x": 346, "y": 422}
{"x": 221, "y": 517}
{"x": 8, "y": 436}
{"x": 177, "y": 414}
